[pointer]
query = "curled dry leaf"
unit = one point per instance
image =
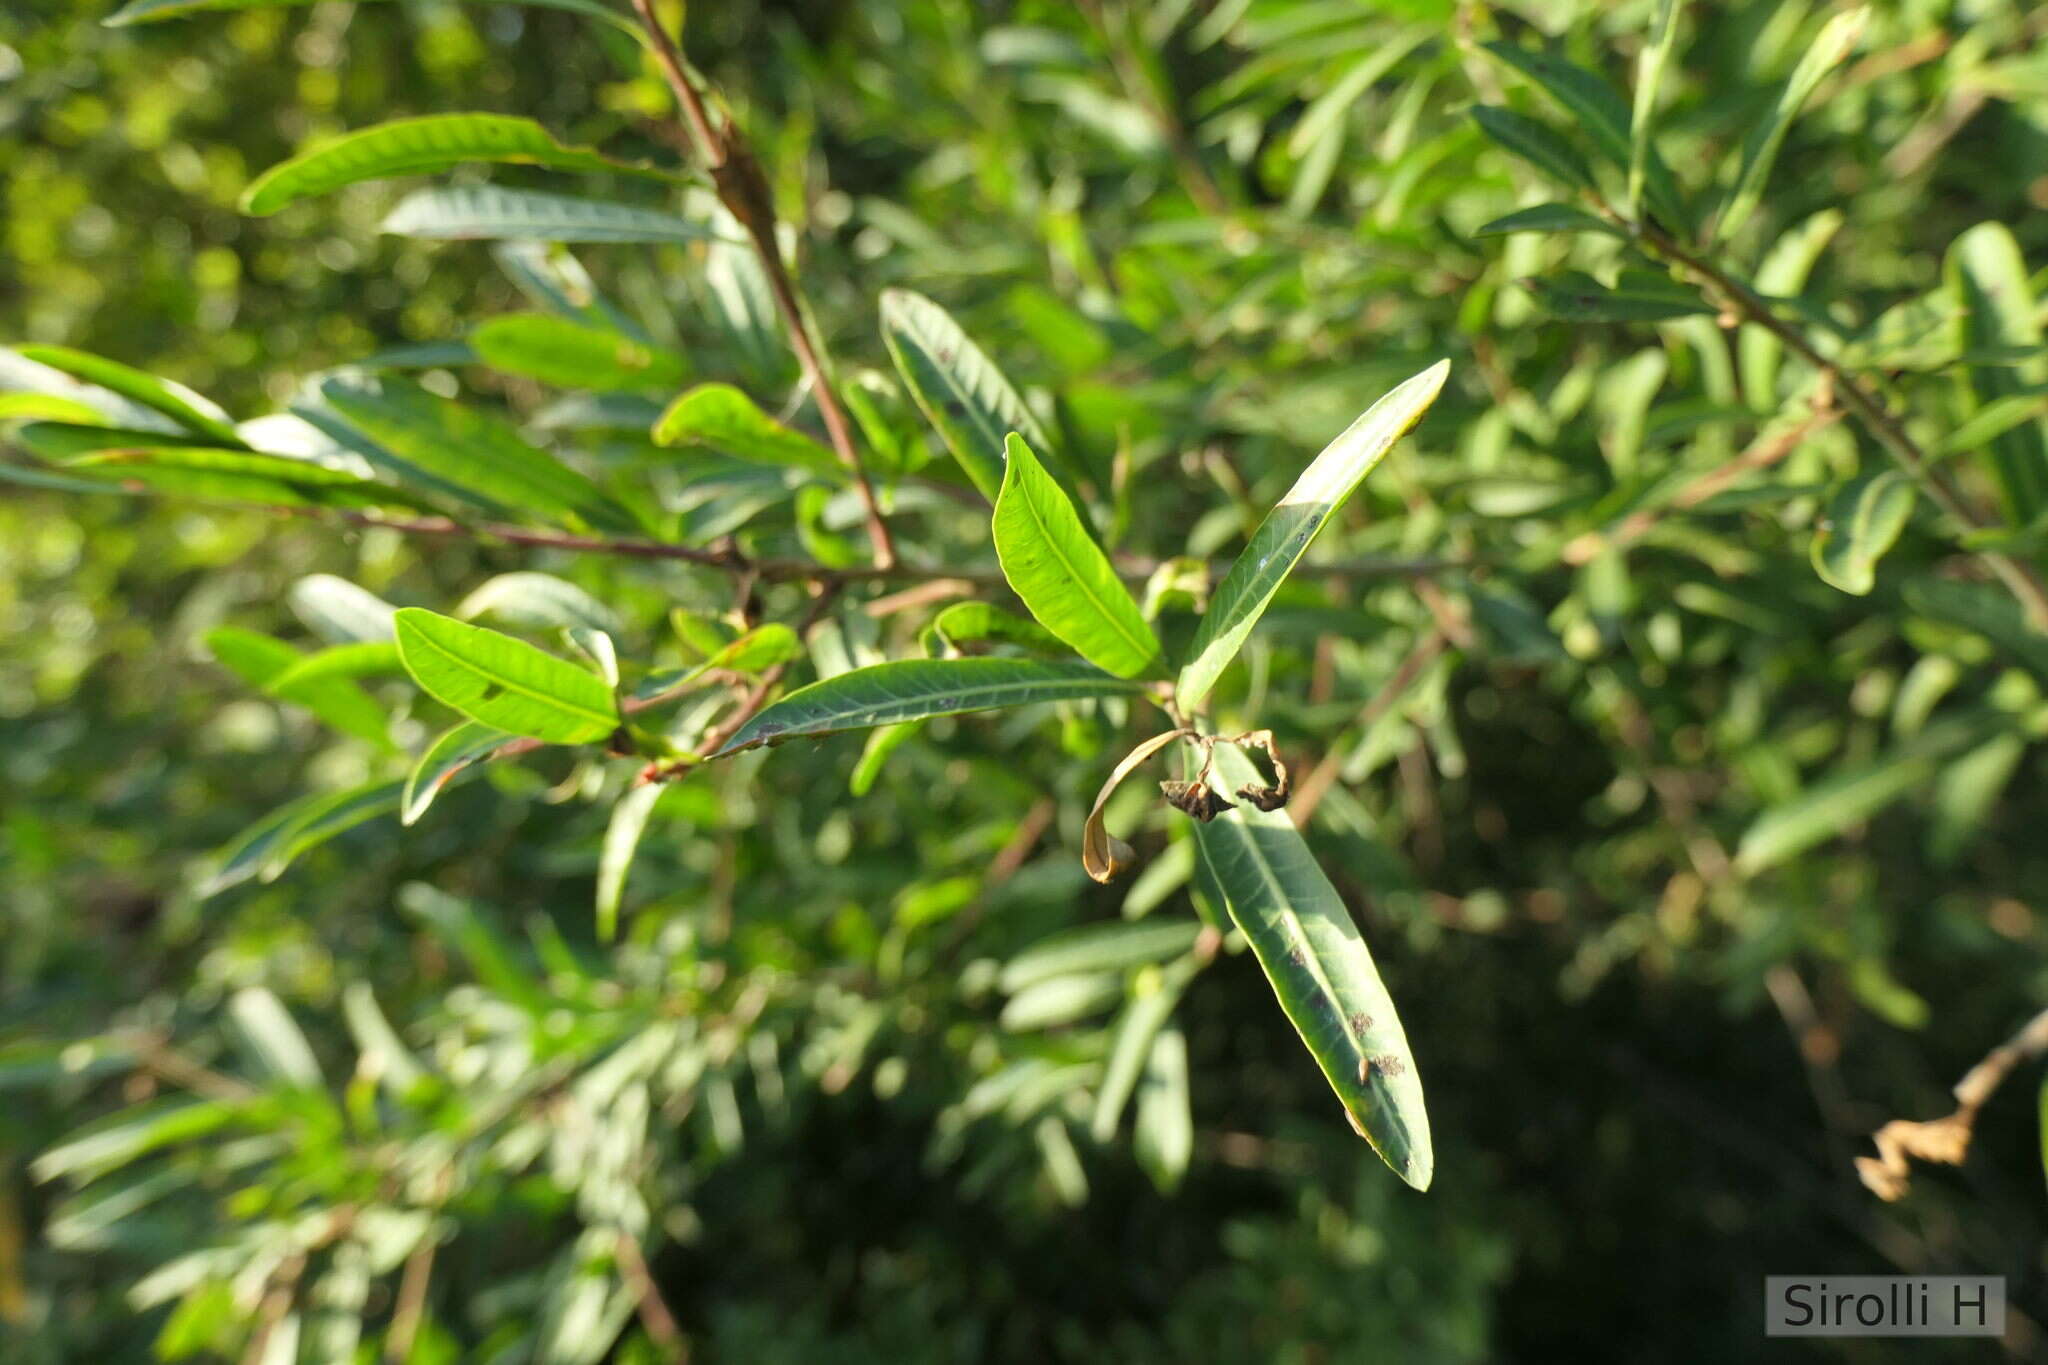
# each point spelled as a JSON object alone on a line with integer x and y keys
{"x": 1265, "y": 798}
{"x": 1196, "y": 798}
{"x": 1103, "y": 855}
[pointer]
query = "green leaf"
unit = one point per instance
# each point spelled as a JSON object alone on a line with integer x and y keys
{"x": 969, "y": 622}
{"x": 1848, "y": 796}
{"x": 339, "y": 611}
{"x": 536, "y": 601}
{"x": 957, "y": 387}
{"x": 147, "y": 461}
{"x": 912, "y": 689}
{"x": 421, "y": 146}
{"x": 362, "y": 660}
{"x": 1836, "y": 41}
{"x": 1286, "y": 533}
{"x": 175, "y": 401}
{"x": 1638, "y": 296}
{"x": 1062, "y": 1000}
{"x": 1994, "y": 299}
{"x": 154, "y": 11}
{"x": 472, "y": 451}
{"x": 444, "y": 758}
{"x": 1152, "y": 1001}
{"x": 1548, "y": 218}
{"x": 504, "y": 682}
{"x": 621, "y": 838}
{"x": 1656, "y": 55}
{"x": 315, "y": 822}
{"x": 726, "y": 420}
{"x": 758, "y": 650}
{"x": 1097, "y": 948}
{"x": 883, "y": 741}
{"x": 274, "y": 1038}
{"x": 1066, "y": 580}
{"x": 1592, "y": 103}
{"x": 1163, "y": 1138}
{"x": 1319, "y": 967}
{"x": 574, "y": 355}
{"x": 135, "y": 1132}
{"x": 269, "y": 664}
{"x": 1864, "y": 520}
{"x": 488, "y": 213}
{"x": 1782, "y": 275}
{"x": 1535, "y": 144}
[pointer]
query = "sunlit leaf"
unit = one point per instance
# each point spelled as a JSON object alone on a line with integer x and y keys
{"x": 1063, "y": 576}
{"x": 621, "y": 839}
{"x": 421, "y": 146}
{"x": 1319, "y": 967}
{"x": 726, "y": 420}
{"x": 1995, "y": 308}
{"x": 574, "y": 355}
{"x": 175, "y": 401}
{"x": 152, "y": 11}
{"x": 957, "y": 387}
{"x": 1836, "y": 41}
{"x": 1864, "y": 520}
{"x": 488, "y": 213}
{"x": 1288, "y": 530}
{"x": 504, "y": 682}
{"x": 536, "y": 601}
{"x": 448, "y": 755}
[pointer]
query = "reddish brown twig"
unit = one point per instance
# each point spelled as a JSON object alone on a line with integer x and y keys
{"x": 742, "y": 188}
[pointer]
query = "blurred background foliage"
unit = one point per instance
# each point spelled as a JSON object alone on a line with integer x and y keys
{"x": 1203, "y": 236}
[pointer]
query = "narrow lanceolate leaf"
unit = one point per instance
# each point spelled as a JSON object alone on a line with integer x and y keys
{"x": 536, "y": 601}
{"x": 175, "y": 401}
{"x": 1548, "y": 218}
{"x": 911, "y": 689}
{"x": 1994, "y": 302}
{"x": 966, "y": 623}
{"x": 487, "y": 213}
{"x": 1163, "y": 1139}
{"x": 1097, "y": 948}
{"x": 1836, "y": 41}
{"x": 1284, "y": 536}
{"x": 1153, "y": 996}
{"x": 721, "y": 417}
{"x": 1063, "y": 576}
{"x": 1535, "y": 144}
{"x": 1781, "y": 275}
{"x": 1637, "y": 296}
{"x": 271, "y": 664}
{"x": 1319, "y": 967}
{"x": 1863, "y": 521}
{"x": 621, "y": 839}
{"x": 467, "y": 449}
{"x": 421, "y": 146}
{"x": 153, "y": 11}
{"x": 444, "y": 758}
{"x": 363, "y": 660}
{"x": 504, "y": 682}
{"x": 1593, "y": 105}
{"x": 329, "y": 814}
{"x": 758, "y": 650}
{"x": 574, "y": 355}
{"x": 1655, "y": 57}
{"x": 959, "y": 389}
{"x": 1849, "y": 796}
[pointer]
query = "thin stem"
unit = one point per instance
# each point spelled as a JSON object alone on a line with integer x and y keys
{"x": 1947, "y": 1139}
{"x": 744, "y": 191}
{"x": 2022, "y": 580}
{"x": 729, "y": 558}
{"x": 662, "y": 1327}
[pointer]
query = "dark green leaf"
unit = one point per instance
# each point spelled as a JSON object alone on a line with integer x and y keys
{"x": 912, "y": 689}
{"x": 961, "y": 392}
